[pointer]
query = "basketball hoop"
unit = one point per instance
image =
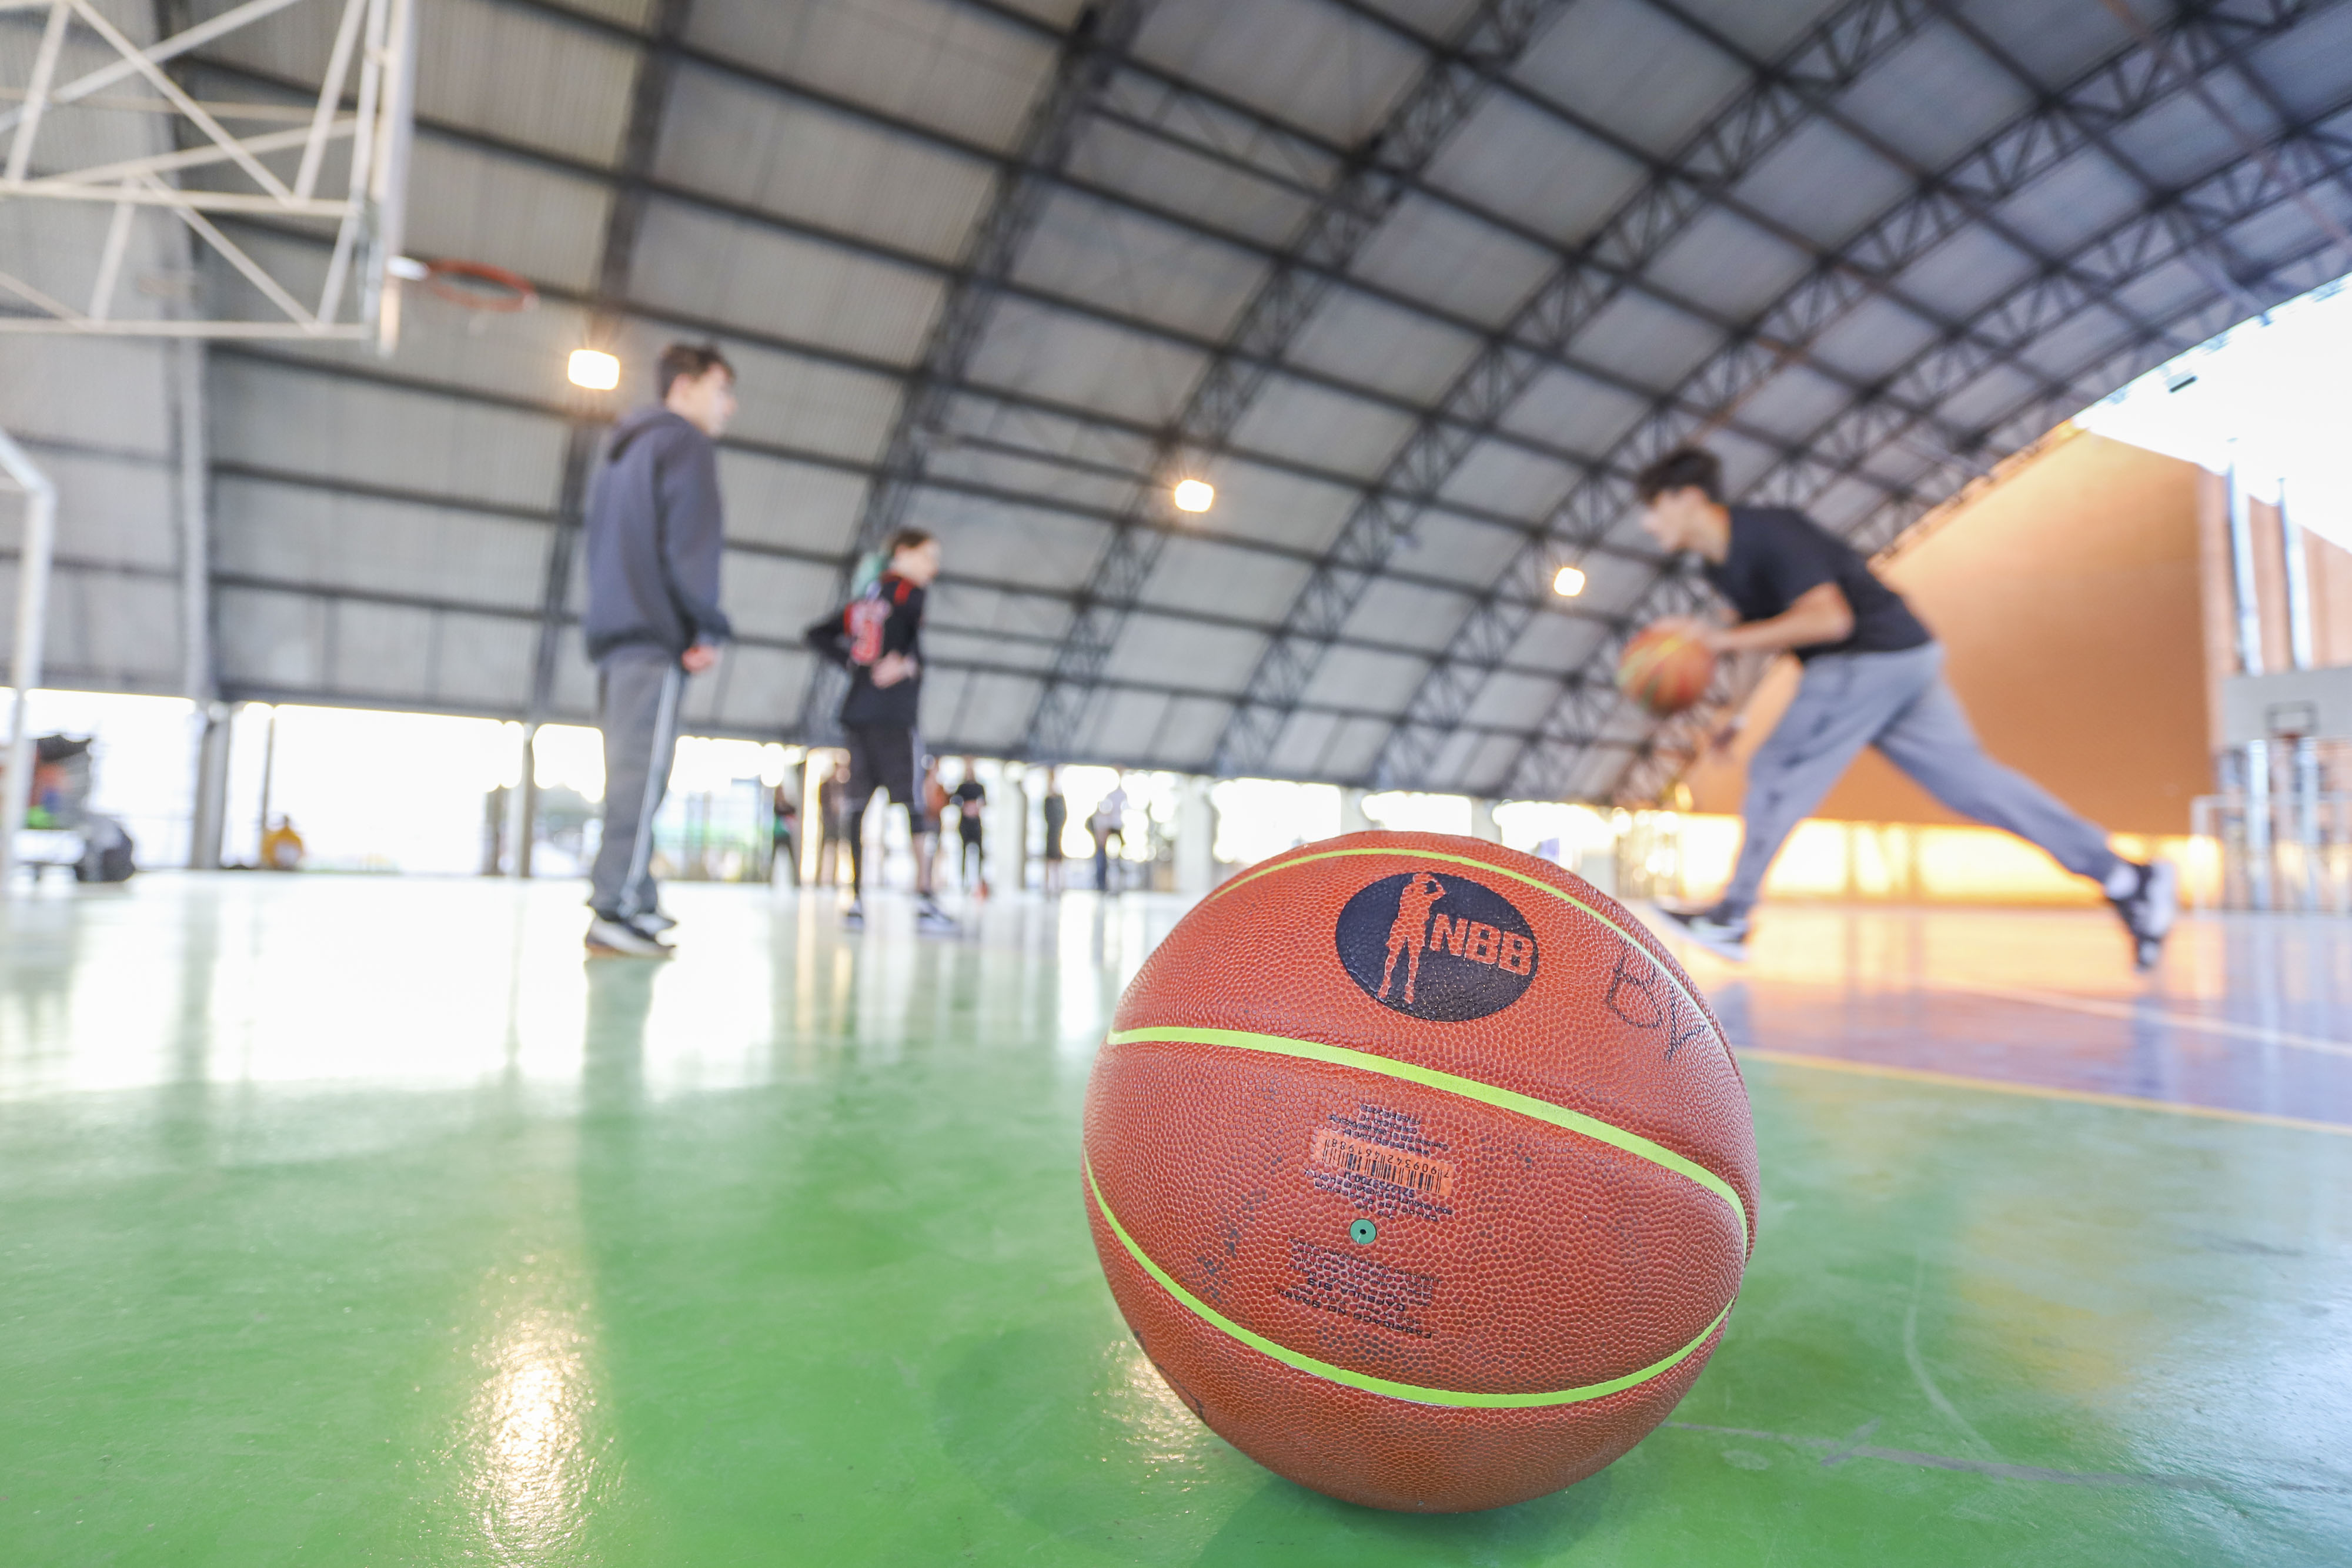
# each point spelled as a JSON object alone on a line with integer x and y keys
{"x": 478, "y": 286}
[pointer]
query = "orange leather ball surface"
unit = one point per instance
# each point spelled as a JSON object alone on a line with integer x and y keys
{"x": 1666, "y": 670}
{"x": 1421, "y": 1172}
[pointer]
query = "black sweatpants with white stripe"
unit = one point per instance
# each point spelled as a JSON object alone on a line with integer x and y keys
{"x": 638, "y": 693}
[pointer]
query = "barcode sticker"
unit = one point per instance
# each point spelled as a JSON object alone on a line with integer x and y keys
{"x": 1361, "y": 1156}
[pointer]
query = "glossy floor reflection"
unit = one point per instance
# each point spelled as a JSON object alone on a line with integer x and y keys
{"x": 356, "y": 1221}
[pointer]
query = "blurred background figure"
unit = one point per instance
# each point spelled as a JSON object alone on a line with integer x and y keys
{"x": 281, "y": 846}
{"x": 828, "y": 825}
{"x": 970, "y": 800}
{"x": 1108, "y": 826}
{"x": 1056, "y": 808}
{"x": 786, "y": 824}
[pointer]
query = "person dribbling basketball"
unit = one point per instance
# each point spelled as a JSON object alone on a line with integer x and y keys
{"x": 1873, "y": 676}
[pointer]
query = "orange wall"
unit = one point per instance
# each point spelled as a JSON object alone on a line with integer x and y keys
{"x": 2067, "y": 598}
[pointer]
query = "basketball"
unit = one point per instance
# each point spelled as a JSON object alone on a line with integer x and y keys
{"x": 1665, "y": 669}
{"x": 1421, "y": 1172}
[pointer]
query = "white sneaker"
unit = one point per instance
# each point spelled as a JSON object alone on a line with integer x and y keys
{"x": 652, "y": 922}
{"x": 609, "y": 938}
{"x": 2148, "y": 910}
{"x": 853, "y": 917}
{"x": 1725, "y": 939}
{"x": 930, "y": 916}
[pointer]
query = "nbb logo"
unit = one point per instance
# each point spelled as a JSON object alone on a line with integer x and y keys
{"x": 1436, "y": 945}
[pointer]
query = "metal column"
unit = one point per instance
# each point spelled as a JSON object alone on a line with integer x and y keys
{"x": 31, "y": 622}
{"x": 2306, "y": 748}
{"x": 2257, "y": 766}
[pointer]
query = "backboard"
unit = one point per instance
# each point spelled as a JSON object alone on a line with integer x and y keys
{"x": 248, "y": 207}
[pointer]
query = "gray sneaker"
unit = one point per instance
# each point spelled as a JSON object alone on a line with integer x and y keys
{"x": 853, "y": 917}
{"x": 612, "y": 938}
{"x": 652, "y": 923}
{"x": 2149, "y": 909}
{"x": 1723, "y": 934}
{"x": 930, "y": 917}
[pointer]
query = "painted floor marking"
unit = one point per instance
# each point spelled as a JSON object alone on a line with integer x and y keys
{"x": 2166, "y": 1016}
{"x": 2034, "y": 1091}
{"x": 1839, "y": 1449}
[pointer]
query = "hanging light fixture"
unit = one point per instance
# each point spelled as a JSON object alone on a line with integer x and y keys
{"x": 1193, "y": 495}
{"x": 595, "y": 369}
{"x": 1568, "y": 582}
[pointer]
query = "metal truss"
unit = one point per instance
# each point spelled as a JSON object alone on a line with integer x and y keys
{"x": 640, "y": 140}
{"x": 2298, "y": 160}
{"x": 247, "y": 144}
{"x": 1345, "y": 216}
{"x": 1832, "y": 56}
{"x": 1089, "y": 56}
{"x": 2117, "y": 88}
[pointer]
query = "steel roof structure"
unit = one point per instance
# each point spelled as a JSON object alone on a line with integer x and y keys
{"x": 1416, "y": 284}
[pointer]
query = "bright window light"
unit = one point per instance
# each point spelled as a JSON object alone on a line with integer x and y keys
{"x": 1569, "y": 582}
{"x": 595, "y": 369}
{"x": 1195, "y": 495}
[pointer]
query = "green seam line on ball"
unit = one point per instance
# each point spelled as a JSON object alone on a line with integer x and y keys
{"x": 1469, "y": 1088}
{"x": 1382, "y": 1386}
{"x": 1535, "y": 881}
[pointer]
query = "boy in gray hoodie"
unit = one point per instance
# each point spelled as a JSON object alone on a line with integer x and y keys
{"x": 653, "y": 542}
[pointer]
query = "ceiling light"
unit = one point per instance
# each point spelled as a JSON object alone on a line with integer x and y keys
{"x": 1195, "y": 496}
{"x": 595, "y": 369}
{"x": 1569, "y": 582}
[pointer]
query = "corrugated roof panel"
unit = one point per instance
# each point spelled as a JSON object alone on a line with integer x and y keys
{"x": 1411, "y": 614}
{"x": 1430, "y": 252}
{"x": 1612, "y": 581}
{"x": 110, "y": 511}
{"x": 280, "y": 416}
{"x": 2063, "y": 350}
{"x": 991, "y": 539}
{"x": 1511, "y": 158}
{"x": 1015, "y": 616}
{"x": 1936, "y": 96}
{"x": 302, "y": 536}
{"x": 2056, "y": 43}
{"x": 949, "y": 644}
{"x": 2080, "y": 198}
{"x": 105, "y": 628}
{"x": 1565, "y": 409}
{"x": 1795, "y": 403}
{"x": 574, "y": 98}
{"x": 1353, "y": 746}
{"x": 109, "y": 392}
{"x": 753, "y": 145}
{"x": 1823, "y": 185}
{"x": 1176, "y": 180}
{"x": 1154, "y": 648}
{"x": 1445, "y": 544}
{"x": 2162, "y": 292}
{"x": 1305, "y": 740}
{"x": 1126, "y": 725}
{"x": 1654, "y": 343}
{"x": 1223, "y": 579}
{"x": 1021, "y": 424}
{"x": 1089, "y": 250}
{"x": 1986, "y": 397}
{"x": 2304, "y": 68}
{"x": 800, "y": 505}
{"x": 1366, "y": 678}
{"x": 1307, "y": 64}
{"x": 995, "y": 711}
{"x": 1629, "y": 67}
{"x": 949, "y": 66}
{"x": 1331, "y": 430}
{"x": 1368, "y": 341}
{"x": 1593, "y": 773}
{"x": 385, "y": 651}
{"x": 795, "y": 401}
{"x": 547, "y": 225}
{"x": 483, "y": 662}
{"x": 1762, "y": 30}
{"x": 759, "y": 689}
{"x": 1556, "y": 642}
{"x": 1084, "y": 363}
{"x": 1967, "y": 272}
{"x": 722, "y": 269}
{"x": 950, "y": 459}
{"x": 1501, "y": 477}
{"x": 1485, "y": 772}
{"x": 1729, "y": 266}
{"x": 769, "y": 596}
{"x": 1257, "y": 502}
{"x": 1873, "y": 337}
{"x": 1189, "y": 731}
{"x": 2179, "y": 142}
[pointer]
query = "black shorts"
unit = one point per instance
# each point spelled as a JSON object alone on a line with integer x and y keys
{"x": 889, "y": 759}
{"x": 968, "y": 829}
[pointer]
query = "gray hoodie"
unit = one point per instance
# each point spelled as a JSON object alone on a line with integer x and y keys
{"x": 654, "y": 538}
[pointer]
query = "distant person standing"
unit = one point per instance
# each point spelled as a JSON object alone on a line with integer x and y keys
{"x": 971, "y": 798}
{"x": 1108, "y": 826}
{"x": 652, "y": 541}
{"x": 878, "y": 638}
{"x": 1873, "y": 676}
{"x": 1057, "y": 809}
{"x": 828, "y": 824}
{"x": 786, "y": 823}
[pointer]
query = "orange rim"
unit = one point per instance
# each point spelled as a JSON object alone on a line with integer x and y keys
{"x": 519, "y": 293}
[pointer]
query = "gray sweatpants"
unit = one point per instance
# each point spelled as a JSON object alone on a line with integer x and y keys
{"x": 1899, "y": 704}
{"x": 638, "y": 693}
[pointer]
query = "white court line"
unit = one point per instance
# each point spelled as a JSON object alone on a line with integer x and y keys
{"x": 2171, "y": 1019}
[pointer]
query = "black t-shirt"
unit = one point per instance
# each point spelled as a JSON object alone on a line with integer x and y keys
{"x": 969, "y": 797}
{"x": 888, "y": 618}
{"x": 1779, "y": 555}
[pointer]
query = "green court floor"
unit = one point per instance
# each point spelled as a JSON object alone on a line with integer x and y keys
{"x": 354, "y": 1220}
